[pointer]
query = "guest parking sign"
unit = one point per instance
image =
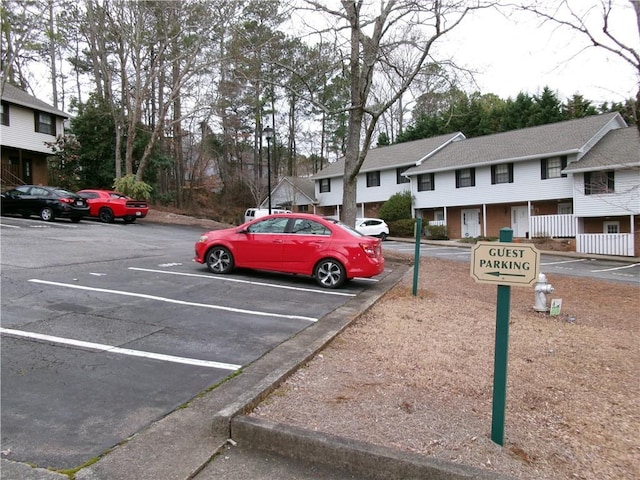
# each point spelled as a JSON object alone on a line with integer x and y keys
{"x": 505, "y": 263}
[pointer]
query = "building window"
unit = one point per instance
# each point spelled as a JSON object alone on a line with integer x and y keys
{"x": 502, "y": 173}
{"x": 565, "y": 209}
{"x": 611, "y": 227}
{"x": 45, "y": 123}
{"x": 4, "y": 114}
{"x": 426, "y": 182}
{"x": 596, "y": 183}
{"x": 373, "y": 179}
{"x": 551, "y": 167}
{"x": 401, "y": 178}
{"x": 325, "y": 185}
{"x": 466, "y": 177}
{"x": 303, "y": 208}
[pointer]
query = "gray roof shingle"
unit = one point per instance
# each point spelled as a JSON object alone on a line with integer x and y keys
{"x": 566, "y": 137}
{"x": 11, "y": 94}
{"x": 618, "y": 148}
{"x": 392, "y": 156}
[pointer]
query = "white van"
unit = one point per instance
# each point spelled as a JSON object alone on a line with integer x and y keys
{"x": 253, "y": 213}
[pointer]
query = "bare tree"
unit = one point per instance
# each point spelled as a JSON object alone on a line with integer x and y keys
{"x": 22, "y": 26}
{"x": 390, "y": 36}
{"x": 596, "y": 22}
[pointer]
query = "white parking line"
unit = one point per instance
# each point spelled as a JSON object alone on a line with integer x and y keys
{"x": 249, "y": 282}
{"x": 122, "y": 351}
{"x": 9, "y": 226}
{"x": 615, "y": 268}
{"x": 179, "y": 302}
{"x": 563, "y": 261}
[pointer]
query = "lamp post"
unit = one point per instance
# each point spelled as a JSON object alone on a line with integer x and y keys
{"x": 268, "y": 134}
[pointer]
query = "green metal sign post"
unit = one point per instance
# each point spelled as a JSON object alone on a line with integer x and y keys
{"x": 416, "y": 256}
{"x": 501, "y": 353}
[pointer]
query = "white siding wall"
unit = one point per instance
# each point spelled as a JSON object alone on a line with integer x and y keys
{"x": 21, "y": 131}
{"x": 527, "y": 186}
{"x": 624, "y": 201}
{"x": 387, "y": 188}
{"x": 334, "y": 197}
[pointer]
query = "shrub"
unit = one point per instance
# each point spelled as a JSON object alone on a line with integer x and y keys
{"x": 128, "y": 185}
{"x": 398, "y": 207}
{"x": 436, "y": 232}
{"x": 402, "y": 228}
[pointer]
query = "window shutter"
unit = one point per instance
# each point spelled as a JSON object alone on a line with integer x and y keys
{"x": 511, "y": 172}
{"x": 493, "y": 174}
{"x": 563, "y": 165}
{"x": 543, "y": 169}
{"x": 473, "y": 177}
{"x": 587, "y": 183}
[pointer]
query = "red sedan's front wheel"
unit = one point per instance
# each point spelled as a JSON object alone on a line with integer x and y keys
{"x": 219, "y": 260}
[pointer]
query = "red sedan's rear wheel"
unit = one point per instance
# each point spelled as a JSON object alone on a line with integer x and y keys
{"x": 330, "y": 273}
{"x": 106, "y": 215}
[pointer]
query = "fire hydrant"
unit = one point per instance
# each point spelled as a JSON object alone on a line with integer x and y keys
{"x": 541, "y": 289}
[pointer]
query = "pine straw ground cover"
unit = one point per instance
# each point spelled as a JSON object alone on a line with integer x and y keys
{"x": 416, "y": 373}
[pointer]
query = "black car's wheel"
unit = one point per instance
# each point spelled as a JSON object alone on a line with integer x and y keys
{"x": 330, "y": 273}
{"x": 76, "y": 219}
{"x": 219, "y": 260}
{"x": 47, "y": 214}
{"x": 106, "y": 215}
{"x": 129, "y": 219}
{"x": 383, "y": 236}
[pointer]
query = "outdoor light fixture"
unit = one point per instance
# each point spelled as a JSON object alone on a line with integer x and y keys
{"x": 268, "y": 134}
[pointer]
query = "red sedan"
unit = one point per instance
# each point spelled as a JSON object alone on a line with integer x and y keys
{"x": 108, "y": 205}
{"x": 306, "y": 244}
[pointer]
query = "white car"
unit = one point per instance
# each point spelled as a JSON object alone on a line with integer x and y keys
{"x": 374, "y": 227}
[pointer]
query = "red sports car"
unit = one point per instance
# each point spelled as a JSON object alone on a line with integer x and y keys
{"x": 306, "y": 244}
{"x": 108, "y": 205}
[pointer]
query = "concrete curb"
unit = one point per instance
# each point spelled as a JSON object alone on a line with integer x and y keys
{"x": 358, "y": 458}
{"x": 258, "y": 380}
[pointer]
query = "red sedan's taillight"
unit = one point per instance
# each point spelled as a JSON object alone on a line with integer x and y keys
{"x": 370, "y": 249}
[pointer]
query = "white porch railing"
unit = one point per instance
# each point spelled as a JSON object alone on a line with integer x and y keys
{"x": 553, "y": 226}
{"x": 436, "y": 223}
{"x": 605, "y": 243}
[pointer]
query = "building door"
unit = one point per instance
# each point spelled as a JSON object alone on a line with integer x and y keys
{"x": 470, "y": 223}
{"x": 27, "y": 174}
{"x": 520, "y": 222}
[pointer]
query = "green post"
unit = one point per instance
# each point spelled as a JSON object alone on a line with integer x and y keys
{"x": 416, "y": 256}
{"x": 501, "y": 353}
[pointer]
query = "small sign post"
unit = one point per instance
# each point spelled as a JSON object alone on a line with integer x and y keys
{"x": 416, "y": 256}
{"x": 504, "y": 264}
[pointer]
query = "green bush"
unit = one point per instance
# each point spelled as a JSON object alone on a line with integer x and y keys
{"x": 129, "y": 186}
{"x": 436, "y": 232}
{"x": 398, "y": 207}
{"x": 402, "y": 228}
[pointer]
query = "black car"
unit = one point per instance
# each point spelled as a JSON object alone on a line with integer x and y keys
{"x": 46, "y": 202}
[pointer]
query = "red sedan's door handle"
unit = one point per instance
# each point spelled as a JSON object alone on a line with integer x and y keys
{"x": 277, "y": 241}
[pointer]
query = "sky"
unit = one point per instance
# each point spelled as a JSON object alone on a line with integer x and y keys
{"x": 518, "y": 54}
{"x": 521, "y": 54}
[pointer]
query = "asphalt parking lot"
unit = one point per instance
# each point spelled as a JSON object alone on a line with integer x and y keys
{"x": 107, "y": 328}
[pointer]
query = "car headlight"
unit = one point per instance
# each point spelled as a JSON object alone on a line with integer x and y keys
{"x": 203, "y": 239}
